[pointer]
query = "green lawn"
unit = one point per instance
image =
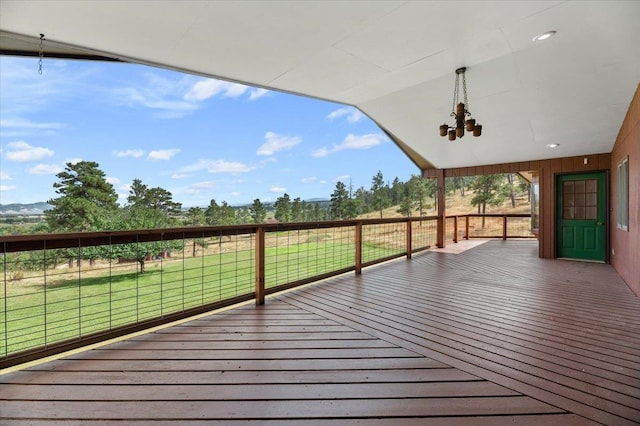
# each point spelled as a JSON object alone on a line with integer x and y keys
{"x": 43, "y": 310}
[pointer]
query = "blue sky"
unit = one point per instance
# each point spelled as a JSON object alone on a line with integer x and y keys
{"x": 199, "y": 138}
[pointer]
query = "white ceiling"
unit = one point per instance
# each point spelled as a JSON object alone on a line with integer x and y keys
{"x": 394, "y": 60}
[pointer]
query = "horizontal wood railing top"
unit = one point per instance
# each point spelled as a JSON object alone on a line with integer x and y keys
{"x": 26, "y": 242}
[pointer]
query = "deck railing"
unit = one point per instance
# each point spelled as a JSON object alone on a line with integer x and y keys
{"x": 61, "y": 291}
{"x": 502, "y": 226}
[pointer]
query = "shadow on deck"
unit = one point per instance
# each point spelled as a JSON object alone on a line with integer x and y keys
{"x": 492, "y": 335}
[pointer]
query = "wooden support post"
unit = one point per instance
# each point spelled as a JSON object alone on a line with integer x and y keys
{"x": 504, "y": 227}
{"x": 455, "y": 229}
{"x": 409, "y": 238}
{"x": 442, "y": 220}
{"x": 358, "y": 248}
{"x": 260, "y": 259}
{"x": 466, "y": 227}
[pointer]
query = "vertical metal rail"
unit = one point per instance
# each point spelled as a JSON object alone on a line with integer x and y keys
{"x": 4, "y": 287}
{"x": 202, "y": 269}
{"x": 138, "y": 265}
{"x": 79, "y": 266}
{"x": 44, "y": 284}
{"x": 184, "y": 251}
{"x": 110, "y": 284}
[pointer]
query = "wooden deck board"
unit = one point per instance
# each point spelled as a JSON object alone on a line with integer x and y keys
{"x": 518, "y": 420}
{"x": 493, "y": 335}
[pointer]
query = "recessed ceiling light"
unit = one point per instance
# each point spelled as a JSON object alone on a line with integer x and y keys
{"x": 553, "y": 145}
{"x": 544, "y": 36}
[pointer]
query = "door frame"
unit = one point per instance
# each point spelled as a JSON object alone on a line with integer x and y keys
{"x": 607, "y": 211}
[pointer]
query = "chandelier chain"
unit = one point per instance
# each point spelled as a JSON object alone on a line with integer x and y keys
{"x": 456, "y": 96}
{"x": 464, "y": 88}
{"x": 41, "y": 54}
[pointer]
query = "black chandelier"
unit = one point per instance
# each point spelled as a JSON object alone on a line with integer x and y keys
{"x": 460, "y": 111}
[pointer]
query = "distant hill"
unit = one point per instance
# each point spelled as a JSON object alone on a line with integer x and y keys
{"x": 24, "y": 209}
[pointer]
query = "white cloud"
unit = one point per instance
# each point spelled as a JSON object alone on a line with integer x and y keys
{"x": 257, "y": 94}
{"x": 353, "y": 142}
{"x": 180, "y": 176}
{"x": 4, "y": 176}
{"x": 29, "y": 125}
{"x": 22, "y": 152}
{"x": 361, "y": 142}
{"x": 235, "y": 194}
{"x": 217, "y": 166}
{"x": 353, "y": 114}
{"x": 45, "y": 169}
{"x": 168, "y": 108}
{"x": 113, "y": 180}
{"x": 277, "y": 189}
{"x": 208, "y": 88}
{"x": 342, "y": 178}
{"x": 321, "y": 152}
{"x": 222, "y": 166}
{"x": 73, "y": 160}
{"x": 4, "y": 188}
{"x": 163, "y": 95}
{"x": 309, "y": 179}
{"x": 275, "y": 143}
{"x": 135, "y": 153}
{"x": 235, "y": 90}
{"x": 163, "y": 154}
{"x": 199, "y": 187}
{"x": 177, "y": 97}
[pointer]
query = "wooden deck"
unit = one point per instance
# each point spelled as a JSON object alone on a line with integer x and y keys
{"x": 492, "y": 335}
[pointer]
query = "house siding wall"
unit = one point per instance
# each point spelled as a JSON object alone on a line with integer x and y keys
{"x": 626, "y": 244}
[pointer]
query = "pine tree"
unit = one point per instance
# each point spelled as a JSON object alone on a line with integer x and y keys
{"x": 283, "y": 208}
{"x": 86, "y": 202}
{"x": 258, "y": 212}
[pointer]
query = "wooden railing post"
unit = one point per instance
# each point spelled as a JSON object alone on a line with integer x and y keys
{"x": 441, "y": 229}
{"x": 358, "y": 248}
{"x": 455, "y": 229}
{"x": 466, "y": 227}
{"x": 260, "y": 259}
{"x": 504, "y": 227}
{"x": 409, "y": 238}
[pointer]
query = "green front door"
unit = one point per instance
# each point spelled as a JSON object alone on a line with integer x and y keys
{"x": 581, "y": 216}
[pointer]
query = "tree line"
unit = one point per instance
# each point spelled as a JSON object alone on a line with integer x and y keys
{"x": 86, "y": 201}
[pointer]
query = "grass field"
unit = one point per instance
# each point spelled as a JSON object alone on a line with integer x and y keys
{"x": 65, "y": 304}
